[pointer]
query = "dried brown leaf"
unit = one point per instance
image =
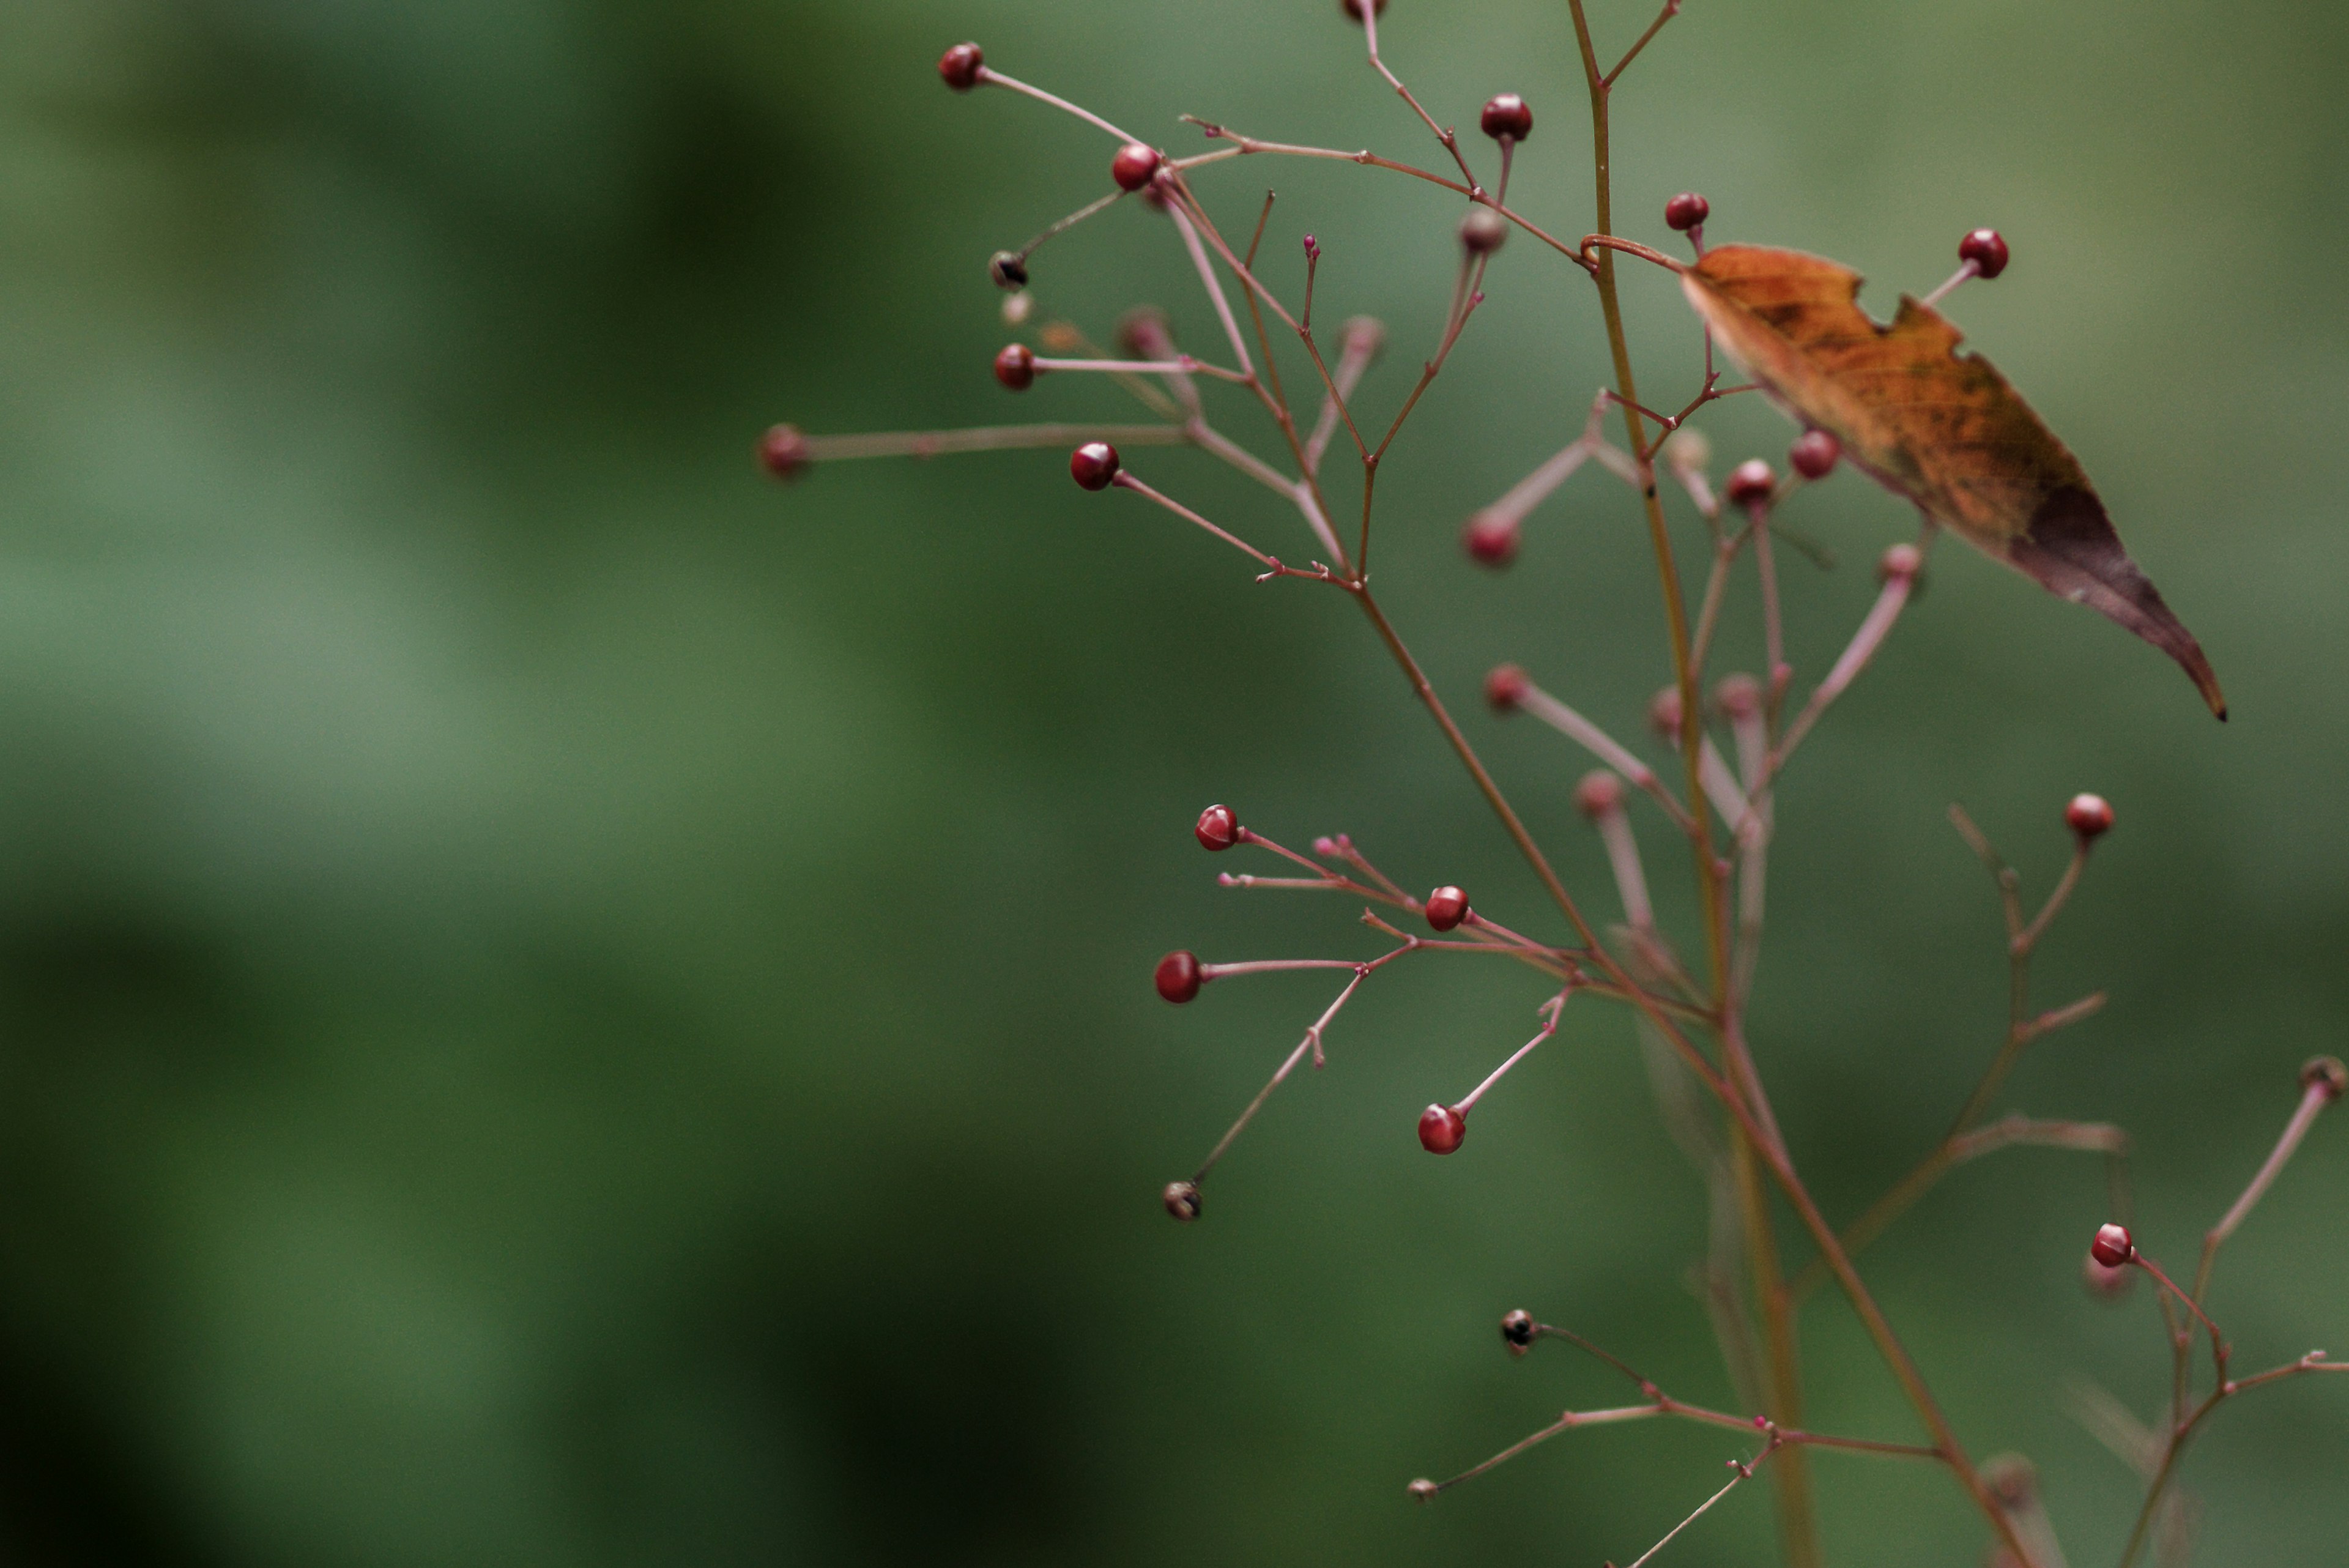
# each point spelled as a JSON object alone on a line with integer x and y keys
{"x": 1940, "y": 429}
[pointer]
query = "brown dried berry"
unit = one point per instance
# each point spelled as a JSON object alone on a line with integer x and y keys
{"x": 1182, "y": 1200}
{"x": 2327, "y": 1071}
{"x": 1518, "y": 1328}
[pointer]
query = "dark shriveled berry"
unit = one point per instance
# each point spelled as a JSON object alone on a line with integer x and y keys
{"x": 1218, "y": 828}
{"x": 1986, "y": 250}
{"x": 2112, "y": 1247}
{"x": 1007, "y": 270}
{"x": 1505, "y": 115}
{"x": 1178, "y": 978}
{"x": 1814, "y": 454}
{"x": 1133, "y": 166}
{"x": 784, "y": 452}
{"x": 1491, "y": 540}
{"x": 1751, "y": 482}
{"x": 1686, "y": 211}
{"x": 2327, "y": 1073}
{"x": 1354, "y": 8}
{"x": 1093, "y": 464}
{"x": 2089, "y": 815}
{"x": 1441, "y": 1128}
{"x": 1483, "y": 230}
{"x": 1517, "y": 1328}
{"x": 1182, "y": 1200}
{"x": 1506, "y": 687}
{"x": 1446, "y": 907}
{"x": 1016, "y": 367}
{"x": 1422, "y": 1489}
{"x": 958, "y": 67}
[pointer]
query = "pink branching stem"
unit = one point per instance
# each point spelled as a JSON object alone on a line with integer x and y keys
{"x": 1890, "y": 602}
{"x": 1126, "y": 481}
{"x": 1774, "y": 629}
{"x": 1671, "y": 9}
{"x": 2217, "y": 1339}
{"x": 1312, "y": 1042}
{"x": 1716, "y": 585}
{"x": 987, "y": 438}
{"x": 1969, "y": 270}
{"x": 1213, "y": 442}
{"x": 1360, "y": 345}
{"x": 1745, "y": 1472}
{"x": 1542, "y": 482}
{"x": 1215, "y": 286}
{"x": 989, "y": 74}
{"x": 1614, "y": 824}
{"x": 1722, "y": 788}
{"x": 1550, "y": 1012}
{"x": 2184, "y": 1428}
{"x": 2028, "y": 938}
{"x": 1063, "y": 225}
{"x": 1442, "y": 133}
{"x": 1185, "y": 363}
{"x": 1603, "y": 747}
{"x": 2314, "y": 1098}
{"x": 1352, "y": 854}
{"x": 1272, "y": 966}
{"x": 1749, "y": 732}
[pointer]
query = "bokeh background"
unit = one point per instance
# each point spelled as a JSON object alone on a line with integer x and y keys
{"x": 562, "y": 1003}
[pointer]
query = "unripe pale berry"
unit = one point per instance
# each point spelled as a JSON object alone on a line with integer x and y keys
{"x": 2112, "y": 1248}
{"x": 1446, "y": 907}
{"x": 1441, "y": 1128}
{"x": 1686, "y": 211}
{"x": 1505, "y": 114}
{"x": 2089, "y": 815}
{"x": 1218, "y": 828}
{"x": 1901, "y": 561}
{"x": 1007, "y": 270}
{"x": 1133, "y": 166}
{"x": 1814, "y": 454}
{"x": 1664, "y": 713}
{"x": 1986, "y": 250}
{"x": 1354, "y": 8}
{"x": 2327, "y": 1071}
{"x": 1182, "y": 1200}
{"x": 1751, "y": 482}
{"x": 1016, "y": 367}
{"x": 1422, "y": 1489}
{"x": 1483, "y": 230}
{"x": 1093, "y": 464}
{"x": 1491, "y": 539}
{"x": 1599, "y": 793}
{"x": 1738, "y": 696}
{"x": 1505, "y": 687}
{"x": 958, "y": 67}
{"x": 1178, "y": 978}
{"x": 784, "y": 452}
{"x": 1517, "y": 1329}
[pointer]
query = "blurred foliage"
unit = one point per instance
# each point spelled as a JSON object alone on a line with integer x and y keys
{"x": 565, "y": 1005}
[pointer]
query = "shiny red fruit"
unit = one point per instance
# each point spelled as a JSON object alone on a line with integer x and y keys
{"x": 1986, "y": 250}
{"x": 1505, "y": 114}
{"x": 958, "y": 67}
{"x": 2089, "y": 815}
{"x": 1219, "y": 827}
{"x": 1133, "y": 166}
{"x": 1751, "y": 481}
{"x": 1178, "y": 978}
{"x": 1446, "y": 907}
{"x": 1093, "y": 464}
{"x": 1016, "y": 367}
{"x": 2112, "y": 1247}
{"x": 1687, "y": 210}
{"x": 1441, "y": 1128}
{"x": 1814, "y": 454}
{"x": 1490, "y": 540}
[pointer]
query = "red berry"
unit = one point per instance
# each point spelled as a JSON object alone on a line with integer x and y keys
{"x": 1600, "y": 793}
{"x": 1483, "y": 230}
{"x": 1354, "y": 8}
{"x": 784, "y": 452}
{"x": 1093, "y": 464}
{"x": 1133, "y": 166}
{"x": 2112, "y": 1247}
{"x": 1687, "y": 210}
{"x": 1441, "y": 1128}
{"x": 2089, "y": 815}
{"x": 1490, "y": 540}
{"x": 1446, "y": 907}
{"x": 1016, "y": 367}
{"x": 958, "y": 67}
{"x": 1814, "y": 454}
{"x": 1505, "y": 687}
{"x": 1505, "y": 115}
{"x": 1902, "y": 561}
{"x": 2326, "y": 1071}
{"x": 1517, "y": 1328}
{"x": 1738, "y": 696}
{"x": 1218, "y": 828}
{"x": 1986, "y": 250}
{"x": 1182, "y": 1200}
{"x": 1751, "y": 482}
{"x": 1178, "y": 978}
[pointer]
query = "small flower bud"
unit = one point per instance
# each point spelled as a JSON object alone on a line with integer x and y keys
{"x": 1751, "y": 482}
{"x": 1505, "y": 115}
{"x": 1178, "y": 978}
{"x": 784, "y": 452}
{"x": 1422, "y": 1489}
{"x": 1328, "y": 847}
{"x": 1093, "y": 464}
{"x": 1814, "y": 454}
{"x": 1664, "y": 713}
{"x": 1686, "y": 211}
{"x": 1738, "y": 696}
{"x": 1441, "y": 1128}
{"x": 2089, "y": 815}
{"x": 1446, "y": 907}
{"x": 1491, "y": 539}
{"x": 1517, "y": 1329}
{"x": 1007, "y": 270}
{"x": 1901, "y": 561}
{"x": 1143, "y": 334}
{"x": 1505, "y": 687}
{"x": 958, "y": 67}
{"x": 1016, "y": 367}
{"x": 1354, "y": 8}
{"x": 2112, "y": 1248}
{"x": 1312, "y": 249}
{"x": 2327, "y": 1071}
{"x": 1599, "y": 793}
{"x": 1218, "y": 828}
{"x": 1986, "y": 250}
{"x": 1134, "y": 165}
{"x": 1483, "y": 230}
{"x": 1182, "y": 1200}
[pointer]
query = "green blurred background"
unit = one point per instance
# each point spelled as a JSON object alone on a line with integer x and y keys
{"x": 565, "y": 1004}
